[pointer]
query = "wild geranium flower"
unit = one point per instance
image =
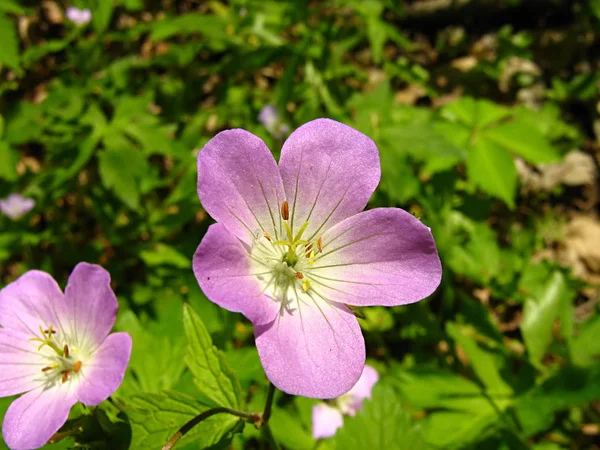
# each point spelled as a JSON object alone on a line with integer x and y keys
{"x": 16, "y": 206}
{"x": 56, "y": 348}
{"x": 328, "y": 418}
{"x": 79, "y": 16}
{"x": 292, "y": 249}
{"x": 271, "y": 120}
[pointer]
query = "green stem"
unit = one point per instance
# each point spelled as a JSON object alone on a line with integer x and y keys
{"x": 266, "y": 415}
{"x": 250, "y": 417}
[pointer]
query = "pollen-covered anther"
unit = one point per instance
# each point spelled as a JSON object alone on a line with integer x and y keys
{"x": 305, "y": 285}
{"x": 77, "y": 366}
{"x": 285, "y": 210}
{"x": 65, "y": 376}
{"x": 47, "y": 368}
{"x": 299, "y": 275}
{"x": 267, "y": 236}
{"x": 66, "y": 350}
{"x": 320, "y": 244}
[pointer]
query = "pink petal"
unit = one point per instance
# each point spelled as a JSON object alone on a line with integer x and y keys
{"x": 384, "y": 256}
{"x": 362, "y": 389}
{"x": 239, "y": 184}
{"x": 329, "y": 172}
{"x": 20, "y": 363}
{"x": 104, "y": 375}
{"x": 222, "y": 268}
{"x": 90, "y": 306}
{"x": 29, "y": 303}
{"x": 325, "y": 421}
{"x": 33, "y": 418}
{"x": 313, "y": 348}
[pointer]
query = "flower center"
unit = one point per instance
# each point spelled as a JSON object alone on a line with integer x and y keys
{"x": 62, "y": 361}
{"x": 283, "y": 265}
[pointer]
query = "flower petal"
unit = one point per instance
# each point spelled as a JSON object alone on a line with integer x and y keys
{"x": 33, "y": 418}
{"x": 90, "y": 306}
{"x": 239, "y": 184}
{"x": 313, "y": 348}
{"x": 20, "y": 363}
{"x": 29, "y": 303}
{"x": 104, "y": 375}
{"x": 384, "y": 256}
{"x": 222, "y": 268}
{"x": 329, "y": 172}
{"x": 363, "y": 387}
{"x": 325, "y": 421}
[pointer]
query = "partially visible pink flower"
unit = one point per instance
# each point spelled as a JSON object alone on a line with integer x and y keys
{"x": 16, "y": 206}
{"x": 328, "y": 418}
{"x": 56, "y": 349}
{"x": 271, "y": 120}
{"x": 79, "y": 16}
{"x": 292, "y": 248}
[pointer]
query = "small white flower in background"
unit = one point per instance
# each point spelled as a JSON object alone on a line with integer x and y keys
{"x": 271, "y": 120}
{"x": 328, "y": 418}
{"x": 79, "y": 16}
{"x": 16, "y": 206}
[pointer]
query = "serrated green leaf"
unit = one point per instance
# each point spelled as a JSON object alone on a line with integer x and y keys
{"x": 523, "y": 140}
{"x": 493, "y": 170}
{"x": 156, "y": 417}
{"x": 212, "y": 375}
{"x": 539, "y": 315}
{"x": 382, "y": 424}
{"x": 569, "y": 387}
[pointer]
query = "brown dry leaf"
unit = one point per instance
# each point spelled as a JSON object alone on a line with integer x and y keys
{"x": 580, "y": 248}
{"x": 464, "y": 64}
{"x": 513, "y": 66}
{"x": 409, "y": 95}
{"x": 577, "y": 169}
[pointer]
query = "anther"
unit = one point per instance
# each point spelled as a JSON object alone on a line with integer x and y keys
{"x": 47, "y": 368}
{"x": 66, "y": 350}
{"x": 320, "y": 244}
{"x": 267, "y": 236}
{"x": 299, "y": 275}
{"x": 77, "y": 366}
{"x": 50, "y": 331}
{"x": 305, "y": 285}
{"x": 65, "y": 376}
{"x": 285, "y": 210}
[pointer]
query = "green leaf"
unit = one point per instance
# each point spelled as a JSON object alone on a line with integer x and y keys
{"x": 288, "y": 430}
{"x": 121, "y": 168}
{"x": 212, "y": 375}
{"x": 207, "y": 25}
{"x": 382, "y": 424}
{"x": 539, "y": 315}
{"x": 569, "y": 387}
{"x": 102, "y": 11}
{"x": 585, "y": 348}
{"x": 520, "y": 138}
{"x": 493, "y": 170}
{"x": 163, "y": 254}
{"x": 485, "y": 363}
{"x": 377, "y": 37}
{"x": 8, "y": 162}
{"x": 157, "y": 358}
{"x": 156, "y": 417}
{"x": 9, "y": 49}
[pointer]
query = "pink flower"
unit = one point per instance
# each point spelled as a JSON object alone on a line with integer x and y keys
{"x": 56, "y": 348}
{"x": 326, "y": 418}
{"x": 16, "y": 206}
{"x": 271, "y": 120}
{"x": 292, "y": 248}
{"x": 79, "y": 16}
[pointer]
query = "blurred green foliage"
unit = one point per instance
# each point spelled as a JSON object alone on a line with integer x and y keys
{"x": 101, "y": 125}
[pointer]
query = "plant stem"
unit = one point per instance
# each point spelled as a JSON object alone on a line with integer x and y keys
{"x": 266, "y": 415}
{"x": 250, "y": 417}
